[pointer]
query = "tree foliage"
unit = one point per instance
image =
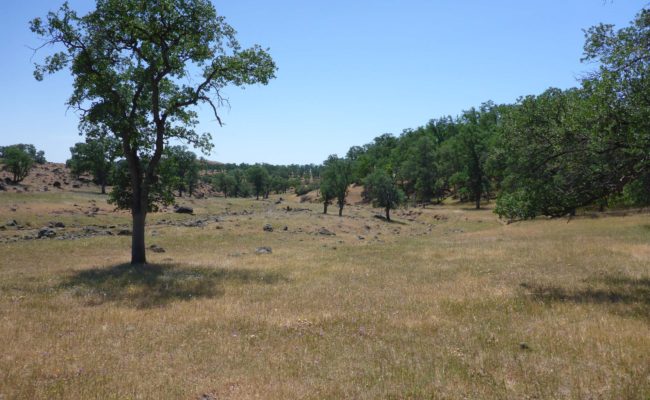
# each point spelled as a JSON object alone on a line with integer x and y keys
{"x": 259, "y": 179}
{"x": 383, "y": 191}
{"x": 17, "y": 161}
{"x": 335, "y": 180}
{"x": 139, "y": 68}
{"x": 95, "y": 156}
{"x": 180, "y": 167}
{"x": 547, "y": 154}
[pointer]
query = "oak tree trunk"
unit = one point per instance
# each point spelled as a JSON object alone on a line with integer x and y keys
{"x": 139, "y": 203}
{"x": 138, "y": 250}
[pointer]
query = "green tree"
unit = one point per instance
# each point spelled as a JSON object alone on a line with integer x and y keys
{"x": 327, "y": 193}
{"x": 227, "y": 183}
{"x": 620, "y": 93}
{"x": 335, "y": 180}
{"x": 95, "y": 156}
{"x": 420, "y": 168}
{"x": 557, "y": 156}
{"x": 383, "y": 191}
{"x": 17, "y": 161}
{"x": 135, "y": 67}
{"x": 160, "y": 191}
{"x": 219, "y": 183}
{"x": 279, "y": 184}
{"x": 259, "y": 177}
{"x": 563, "y": 150}
{"x": 182, "y": 166}
{"x": 472, "y": 146}
{"x": 37, "y": 156}
{"x": 230, "y": 185}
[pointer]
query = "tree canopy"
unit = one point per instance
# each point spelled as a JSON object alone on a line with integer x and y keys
{"x": 140, "y": 68}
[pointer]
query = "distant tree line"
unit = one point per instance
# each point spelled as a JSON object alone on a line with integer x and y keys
{"x": 549, "y": 154}
{"x": 181, "y": 171}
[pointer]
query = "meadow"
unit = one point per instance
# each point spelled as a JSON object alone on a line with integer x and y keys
{"x": 442, "y": 303}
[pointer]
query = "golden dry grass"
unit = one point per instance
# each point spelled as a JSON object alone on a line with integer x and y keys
{"x": 445, "y": 303}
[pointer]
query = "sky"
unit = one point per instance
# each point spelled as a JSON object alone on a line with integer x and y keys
{"x": 348, "y": 71}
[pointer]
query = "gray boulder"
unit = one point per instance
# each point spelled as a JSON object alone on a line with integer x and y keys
{"x": 263, "y": 250}
{"x": 156, "y": 249}
{"x": 326, "y": 232}
{"x": 184, "y": 210}
{"x": 46, "y": 233}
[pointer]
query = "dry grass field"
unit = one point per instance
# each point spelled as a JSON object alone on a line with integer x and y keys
{"x": 443, "y": 303}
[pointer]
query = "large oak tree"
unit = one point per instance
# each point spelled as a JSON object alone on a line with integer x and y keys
{"x": 140, "y": 68}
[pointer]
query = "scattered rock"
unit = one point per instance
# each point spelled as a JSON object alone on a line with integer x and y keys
{"x": 90, "y": 230}
{"x": 46, "y": 233}
{"x": 76, "y": 185}
{"x": 124, "y": 232}
{"x": 12, "y": 222}
{"x": 156, "y": 249}
{"x": 59, "y": 225}
{"x": 57, "y": 184}
{"x": 194, "y": 224}
{"x": 218, "y": 227}
{"x": 184, "y": 210}
{"x": 263, "y": 250}
{"x": 326, "y": 232}
{"x": 268, "y": 228}
{"x": 524, "y": 346}
{"x": 361, "y": 237}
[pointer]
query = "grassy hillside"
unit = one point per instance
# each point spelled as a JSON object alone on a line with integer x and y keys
{"x": 445, "y": 302}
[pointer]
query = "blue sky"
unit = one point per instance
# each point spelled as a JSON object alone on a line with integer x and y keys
{"x": 348, "y": 70}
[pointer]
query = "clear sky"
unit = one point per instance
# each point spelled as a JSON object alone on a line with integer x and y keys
{"x": 348, "y": 70}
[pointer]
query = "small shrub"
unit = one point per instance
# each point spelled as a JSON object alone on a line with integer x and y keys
{"x": 515, "y": 206}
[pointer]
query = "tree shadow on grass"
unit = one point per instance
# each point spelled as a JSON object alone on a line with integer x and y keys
{"x": 156, "y": 285}
{"x": 620, "y": 294}
{"x": 391, "y": 221}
